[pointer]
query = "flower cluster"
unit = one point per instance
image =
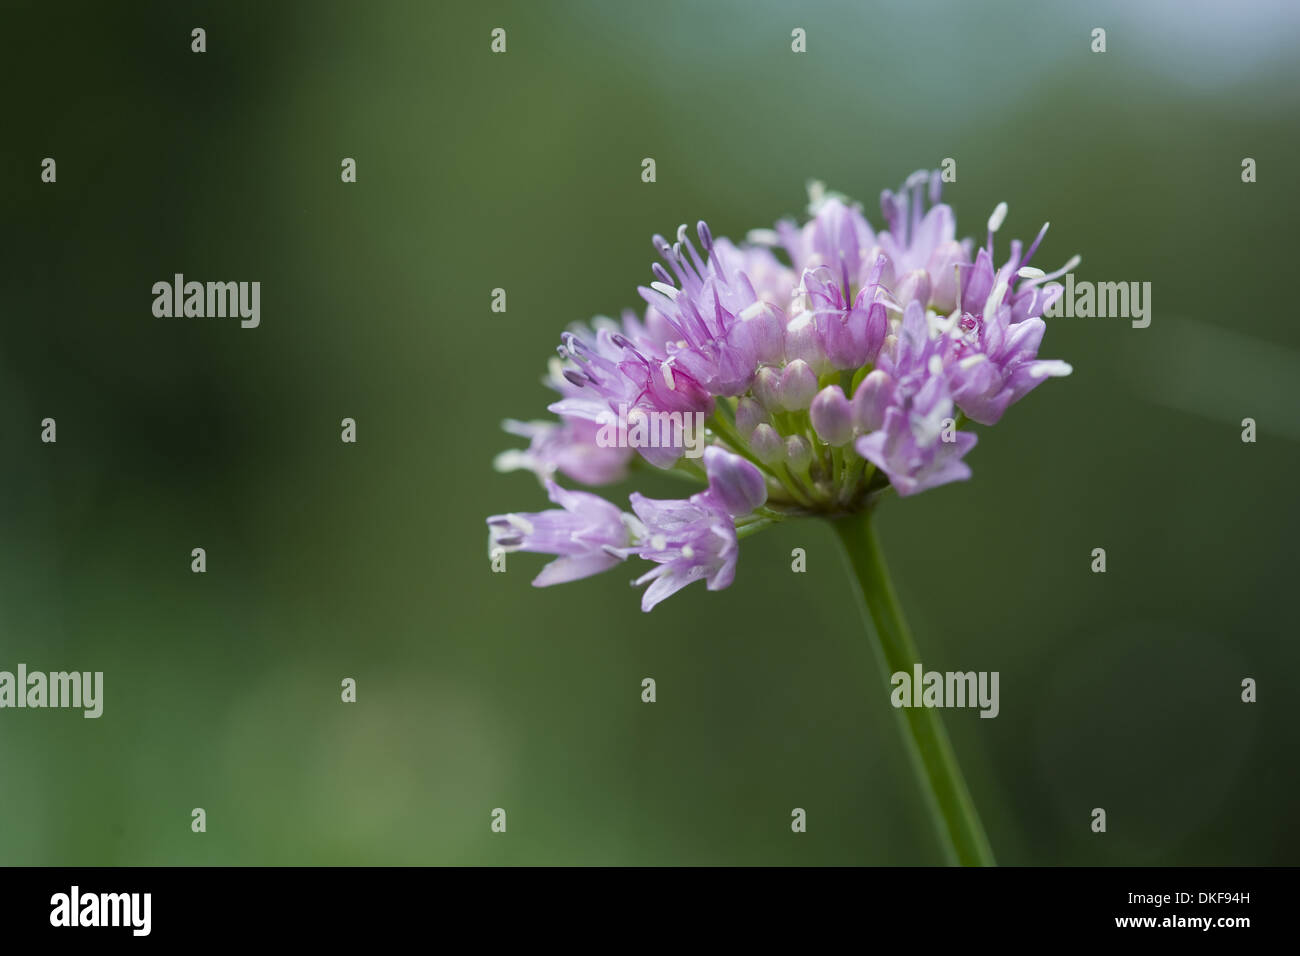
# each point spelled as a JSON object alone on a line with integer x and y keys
{"x": 826, "y": 382}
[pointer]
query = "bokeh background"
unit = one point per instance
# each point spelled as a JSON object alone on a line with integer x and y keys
{"x": 522, "y": 171}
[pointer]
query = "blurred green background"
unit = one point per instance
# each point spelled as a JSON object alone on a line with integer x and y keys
{"x": 522, "y": 171}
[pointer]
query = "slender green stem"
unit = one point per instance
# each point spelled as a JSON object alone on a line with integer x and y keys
{"x": 758, "y": 524}
{"x": 726, "y": 430}
{"x": 952, "y": 809}
{"x": 684, "y": 470}
{"x": 837, "y": 469}
{"x": 795, "y": 486}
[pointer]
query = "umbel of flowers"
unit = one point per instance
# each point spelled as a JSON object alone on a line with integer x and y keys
{"x": 831, "y": 362}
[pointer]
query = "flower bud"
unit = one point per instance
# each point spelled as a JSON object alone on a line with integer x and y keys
{"x": 767, "y": 445}
{"x": 767, "y": 388}
{"x": 749, "y": 415}
{"x": 870, "y": 400}
{"x": 832, "y": 416}
{"x": 798, "y": 451}
{"x": 735, "y": 483}
{"x": 914, "y": 287}
{"x": 798, "y": 386}
{"x": 803, "y": 341}
{"x": 943, "y": 276}
{"x": 761, "y": 332}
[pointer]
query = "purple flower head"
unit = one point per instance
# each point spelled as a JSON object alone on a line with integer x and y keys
{"x": 922, "y": 243}
{"x": 695, "y": 539}
{"x": 692, "y": 540}
{"x": 722, "y": 329}
{"x": 585, "y": 533}
{"x": 849, "y": 328}
{"x": 616, "y": 372}
{"x": 837, "y": 237}
{"x": 825, "y": 382}
{"x": 993, "y": 362}
{"x": 918, "y": 445}
{"x": 915, "y": 234}
{"x": 569, "y": 447}
{"x": 908, "y": 407}
{"x": 990, "y": 354}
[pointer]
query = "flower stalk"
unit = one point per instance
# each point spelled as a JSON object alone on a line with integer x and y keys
{"x": 952, "y": 810}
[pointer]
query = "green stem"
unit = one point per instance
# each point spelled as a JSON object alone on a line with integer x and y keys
{"x": 758, "y": 524}
{"x": 853, "y": 483}
{"x": 952, "y": 810}
{"x": 727, "y": 432}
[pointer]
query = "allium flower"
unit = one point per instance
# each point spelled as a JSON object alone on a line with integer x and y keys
{"x": 567, "y": 446}
{"x": 690, "y": 541}
{"x": 585, "y": 532}
{"x": 850, "y": 369}
{"x": 827, "y": 381}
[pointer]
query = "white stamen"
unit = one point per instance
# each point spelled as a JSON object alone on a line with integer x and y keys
{"x": 798, "y": 323}
{"x": 520, "y": 523}
{"x": 995, "y": 297}
{"x": 916, "y": 179}
{"x": 513, "y": 426}
{"x": 941, "y": 325}
{"x": 1072, "y": 264}
{"x": 999, "y": 214}
{"x": 936, "y": 365}
{"x": 1029, "y": 272}
{"x": 763, "y": 237}
{"x": 513, "y": 459}
{"x": 658, "y": 542}
{"x": 667, "y": 369}
{"x": 688, "y": 552}
{"x": 1054, "y": 369}
{"x": 664, "y": 289}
